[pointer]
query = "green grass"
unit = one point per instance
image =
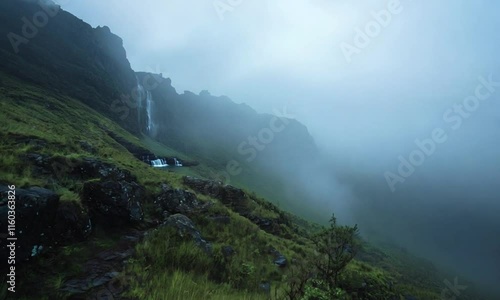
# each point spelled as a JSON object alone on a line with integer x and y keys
{"x": 179, "y": 285}
{"x": 59, "y": 123}
{"x": 67, "y": 195}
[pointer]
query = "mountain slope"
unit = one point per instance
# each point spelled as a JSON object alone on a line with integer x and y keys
{"x": 39, "y": 123}
{"x": 94, "y": 218}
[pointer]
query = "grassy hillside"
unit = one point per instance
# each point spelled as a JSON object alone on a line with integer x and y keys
{"x": 165, "y": 265}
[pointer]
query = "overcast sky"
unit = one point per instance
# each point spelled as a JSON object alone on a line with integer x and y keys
{"x": 366, "y": 107}
{"x": 272, "y": 54}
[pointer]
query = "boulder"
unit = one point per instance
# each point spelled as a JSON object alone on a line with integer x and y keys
{"x": 265, "y": 224}
{"x": 279, "y": 259}
{"x": 89, "y": 168}
{"x": 185, "y": 227}
{"x": 114, "y": 203}
{"x": 177, "y": 201}
{"x": 41, "y": 221}
{"x": 72, "y": 222}
{"x": 41, "y": 162}
{"x": 227, "y": 194}
{"x": 35, "y": 213}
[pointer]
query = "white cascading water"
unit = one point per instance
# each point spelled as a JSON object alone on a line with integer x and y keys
{"x": 177, "y": 163}
{"x": 159, "y": 163}
{"x": 139, "y": 96}
{"x": 149, "y": 111}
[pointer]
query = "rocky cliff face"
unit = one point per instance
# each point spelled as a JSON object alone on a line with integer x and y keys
{"x": 221, "y": 131}
{"x": 48, "y": 46}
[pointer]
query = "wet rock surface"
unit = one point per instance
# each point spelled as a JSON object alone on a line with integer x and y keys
{"x": 101, "y": 276}
{"x": 278, "y": 258}
{"x": 41, "y": 221}
{"x": 35, "y": 214}
{"x": 176, "y": 201}
{"x": 268, "y": 225}
{"x": 114, "y": 203}
{"x": 41, "y": 162}
{"x": 89, "y": 168}
{"x": 116, "y": 199}
{"x": 227, "y": 194}
{"x": 72, "y": 222}
{"x": 185, "y": 227}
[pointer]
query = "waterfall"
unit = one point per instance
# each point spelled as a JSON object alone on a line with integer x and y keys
{"x": 162, "y": 163}
{"x": 177, "y": 163}
{"x": 149, "y": 109}
{"x": 139, "y": 95}
{"x": 159, "y": 163}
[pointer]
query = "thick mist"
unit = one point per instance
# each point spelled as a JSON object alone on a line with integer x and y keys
{"x": 402, "y": 97}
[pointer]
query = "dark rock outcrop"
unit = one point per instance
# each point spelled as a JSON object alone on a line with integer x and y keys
{"x": 100, "y": 278}
{"x": 90, "y": 168}
{"x": 72, "y": 222}
{"x": 185, "y": 227}
{"x": 268, "y": 225}
{"x": 41, "y": 162}
{"x": 177, "y": 201}
{"x": 228, "y": 195}
{"x": 115, "y": 198}
{"x": 41, "y": 221}
{"x": 278, "y": 258}
{"x": 114, "y": 203}
{"x": 35, "y": 213}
